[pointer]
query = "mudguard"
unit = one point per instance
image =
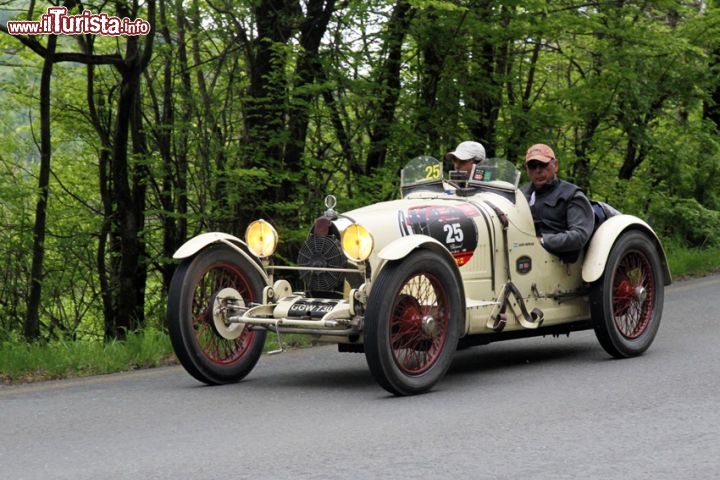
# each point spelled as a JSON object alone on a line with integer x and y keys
{"x": 603, "y": 240}
{"x": 197, "y": 243}
{"x": 401, "y": 248}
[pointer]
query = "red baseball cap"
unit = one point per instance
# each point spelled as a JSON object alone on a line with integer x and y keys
{"x": 541, "y": 153}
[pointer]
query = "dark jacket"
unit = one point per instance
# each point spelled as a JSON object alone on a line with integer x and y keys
{"x": 563, "y": 217}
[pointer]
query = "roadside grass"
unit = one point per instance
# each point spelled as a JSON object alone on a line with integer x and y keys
{"x": 685, "y": 262}
{"x": 21, "y": 362}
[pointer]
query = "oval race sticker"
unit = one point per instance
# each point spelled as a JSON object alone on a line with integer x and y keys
{"x": 450, "y": 225}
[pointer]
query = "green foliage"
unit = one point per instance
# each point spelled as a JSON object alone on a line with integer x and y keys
{"x": 621, "y": 90}
{"x": 685, "y": 262}
{"x": 234, "y": 126}
{"x": 16, "y": 213}
{"x": 686, "y": 221}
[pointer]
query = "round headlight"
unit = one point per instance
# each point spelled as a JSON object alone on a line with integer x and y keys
{"x": 357, "y": 243}
{"x": 261, "y": 238}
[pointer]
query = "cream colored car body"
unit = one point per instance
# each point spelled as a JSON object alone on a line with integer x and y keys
{"x": 483, "y": 233}
{"x": 555, "y": 288}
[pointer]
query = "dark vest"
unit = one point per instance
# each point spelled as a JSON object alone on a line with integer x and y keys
{"x": 550, "y": 208}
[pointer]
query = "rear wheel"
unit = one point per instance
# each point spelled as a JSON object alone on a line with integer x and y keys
{"x": 212, "y": 350}
{"x": 627, "y": 302}
{"x": 412, "y": 323}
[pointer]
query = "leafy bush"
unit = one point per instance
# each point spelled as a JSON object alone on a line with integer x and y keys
{"x": 685, "y": 262}
{"x": 686, "y": 221}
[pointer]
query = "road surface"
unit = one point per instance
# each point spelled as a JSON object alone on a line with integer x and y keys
{"x": 544, "y": 408}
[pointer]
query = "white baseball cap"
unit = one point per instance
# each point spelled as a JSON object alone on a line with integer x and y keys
{"x": 468, "y": 151}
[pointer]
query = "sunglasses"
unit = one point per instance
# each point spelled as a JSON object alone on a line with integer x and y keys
{"x": 536, "y": 165}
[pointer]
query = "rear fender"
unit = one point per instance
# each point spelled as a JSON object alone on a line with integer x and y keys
{"x": 197, "y": 243}
{"x": 604, "y": 238}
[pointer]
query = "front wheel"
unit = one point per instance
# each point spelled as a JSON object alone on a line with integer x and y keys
{"x": 412, "y": 323}
{"x": 627, "y": 302}
{"x": 211, "y": 350}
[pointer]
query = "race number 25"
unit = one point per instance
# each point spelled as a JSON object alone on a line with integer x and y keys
{"x": 454, "y": 233}
{"x": 432, "y": 172}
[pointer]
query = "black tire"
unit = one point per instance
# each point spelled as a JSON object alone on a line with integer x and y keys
{"x": 412, "y": 323}
{"x": 201, "y": 349}
{"x": 627, "y": 301}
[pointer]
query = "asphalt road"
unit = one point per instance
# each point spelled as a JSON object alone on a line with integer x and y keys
{"x": 552, "y": 408}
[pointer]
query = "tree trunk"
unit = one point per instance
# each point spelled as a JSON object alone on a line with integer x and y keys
{"x": 389, "y": 83}
{"x": 485, "y": 90}
{"x": 32, "y": 319}
{"x": 266, "y": 108}
{"x": 128, "y": 256}
{"x": 711, "y": 109}
{"x": 307, "y": 72}
{"x": 171, "y": 138}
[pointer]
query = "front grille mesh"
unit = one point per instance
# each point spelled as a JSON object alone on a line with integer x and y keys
{"x": 321, "y": 252}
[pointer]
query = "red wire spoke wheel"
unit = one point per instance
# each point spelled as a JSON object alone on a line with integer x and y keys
{"x": 627, "y": 301}
{"x": 413, "y": 322}
{"x": 206, "y": 290}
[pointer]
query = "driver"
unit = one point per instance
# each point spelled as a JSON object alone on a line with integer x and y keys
{"x": 563, "y": 217}
{"x": 466, "y": 155}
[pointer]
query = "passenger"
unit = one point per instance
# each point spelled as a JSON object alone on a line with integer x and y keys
{"x": 562, "y": 213}
{"x": 466, "y": 155}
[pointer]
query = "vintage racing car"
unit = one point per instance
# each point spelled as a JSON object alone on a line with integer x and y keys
{"x": 451, "y": 264}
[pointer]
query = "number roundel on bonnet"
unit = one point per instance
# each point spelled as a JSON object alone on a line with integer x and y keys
{"x": 452, "y": 226}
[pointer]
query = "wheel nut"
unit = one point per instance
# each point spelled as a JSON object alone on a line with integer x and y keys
{"x": 429, "y": 325}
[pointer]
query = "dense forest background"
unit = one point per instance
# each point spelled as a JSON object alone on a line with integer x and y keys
{"x": 114, "y": 150}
